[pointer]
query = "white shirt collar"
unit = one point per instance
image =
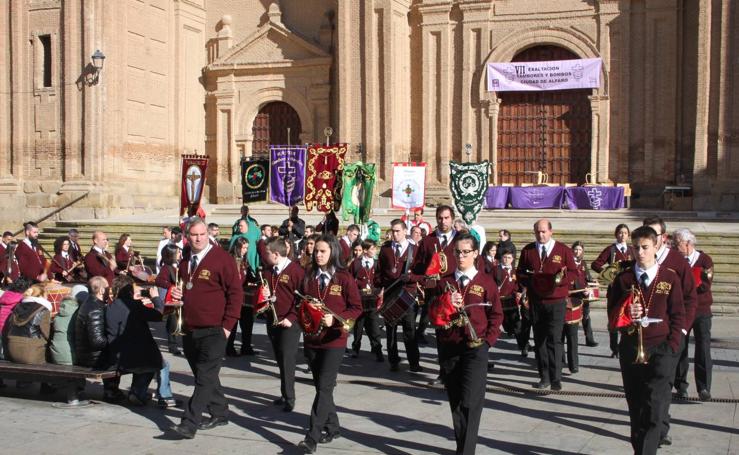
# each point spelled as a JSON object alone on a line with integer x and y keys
{"x": 98, "y": 249}
{"x": 470, "y": 273}
{"x": 662, "y": 254}
{"x": 549, "y": 246}
{"x": 329, "y": 272}
{"x": 366, "y": 260}
{"x": 201, "y": 255}
{"x": 693, "y": 257}
{"x": 403, "y": 246}
{"x": 622, "y": 246}
{"x": 282, "y": 264}
{"x": 27, "y": 241}
{"x": 65, "y": 254}
{"x": 449, "y": 235}
{"x": 651, "y": 272}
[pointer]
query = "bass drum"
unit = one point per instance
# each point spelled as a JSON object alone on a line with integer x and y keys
{"x": 396, "y": 302}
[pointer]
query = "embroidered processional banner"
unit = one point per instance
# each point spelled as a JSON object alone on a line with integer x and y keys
{"x": 468, "y": 183}
{"x": 193, "y": 183}
{"x": 287, "y": 174}
{"x": 323, "y": 175}
{"x": 409, "y": 185}
{"x": 357, "y": 190}
{"x": 254, "y": 179}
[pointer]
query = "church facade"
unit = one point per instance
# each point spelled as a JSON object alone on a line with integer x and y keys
{"x": 399, "y": 80}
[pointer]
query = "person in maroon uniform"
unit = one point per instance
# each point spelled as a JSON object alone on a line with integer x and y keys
{"x": 574, "y": 311}
{"x": 486, "y": 262}
{"x": 672, "y": 259}
{"x": 262, "y": 253}
{"x": 327, "y": 281}
{"x": 701, "y": 265}
{"x": 30, "y": 256}
{"x": 98, "y": 262}
{"x": 441, "y": 240}
{"x": 463, "y": 352}
{"x": 62, "y": 266}
{"x": 619, "y": 252}
{"x": 363, "y": 269}
{"x": 346, "y": 242}
{"x": 283, "y": 277}
{"x": 660, "y": 296}
{"x": 7, "y": 238}
{"x": 123, "y": 252}
{"x": 212, "y": 299}
{"x": 395, "y": 263}
{"x": 9, "y": 269}
{"x": 509, "y": 292}
{"x": 74, "y": 245}
{"x": 547, "y": 268}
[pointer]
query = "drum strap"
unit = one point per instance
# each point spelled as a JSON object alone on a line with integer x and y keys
{"x": 409, "y": 257}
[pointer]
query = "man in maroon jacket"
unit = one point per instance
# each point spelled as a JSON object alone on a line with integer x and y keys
{"x": 363, "y": 269}
{"x": 547, "y": 267}
{"x": 212, "y": 299}
{"x": 346, "y": 242}
{"x": 647, "y": 385}
{"x": 99, "y": 262}
{"x": 29, "y": 255}
{"x": 283, "y": 277}
{"x": 672, "y": 259}
{"x": 701, "y": 265}
{"x": 262, "y": 253}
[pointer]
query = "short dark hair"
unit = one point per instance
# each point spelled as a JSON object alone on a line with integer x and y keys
{"x": 7, "y": 234}
{"x": 276, "y": 245}
{"x": 352, "y": 227}
{"x": 176, "y": 230}
{"x": 368, "y": 243}
{"x": 443, "y": 207}
{"x": 398, "y": 221}
{"x": 122, "y": 287}
{"x": 578, "y": 243}
{"x": 28, "y": 225}
{"x": 212, "y": 225}
{"x": 644, "y": 232}
{"x": 465, "y": 236}
{"x": 621, "y": 226}
{"x": 311, "y": 227}
{"x": 650, "y": 220}
{"x": 71, "y": 231}
{"x": 264, "y": 226}
{"x": 505, "y": 232}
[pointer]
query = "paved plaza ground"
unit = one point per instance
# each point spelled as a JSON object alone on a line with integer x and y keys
{"x": 384, "y": 412}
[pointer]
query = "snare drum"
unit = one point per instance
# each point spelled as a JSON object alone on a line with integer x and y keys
{"x": 573, "y": 313}
{"x": 396, "y": 303}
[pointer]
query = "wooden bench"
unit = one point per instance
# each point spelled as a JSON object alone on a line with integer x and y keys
{"x": 67, "y": 376}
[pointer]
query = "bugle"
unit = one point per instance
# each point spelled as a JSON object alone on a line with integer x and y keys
{"x": 346, "y": 324}
{"x": 178, "y": 329}
{"x": 269, "y": 304}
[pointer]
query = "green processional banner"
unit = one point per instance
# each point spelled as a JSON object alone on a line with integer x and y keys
{"x": 358, "y": 186}
{"x": 468, "y": 184}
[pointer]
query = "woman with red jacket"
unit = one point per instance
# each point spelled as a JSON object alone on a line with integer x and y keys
{"x": 327, "y": 281}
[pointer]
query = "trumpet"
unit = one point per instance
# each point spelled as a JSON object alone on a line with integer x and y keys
{"x": 270, "y": 302}
{"x": 346, "y": 324}
{"x": 178, "y": 313}
{"x": 641, "y": 354}
{"x": 464, "y": 319}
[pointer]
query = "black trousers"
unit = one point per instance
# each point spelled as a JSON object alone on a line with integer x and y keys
{"x": 285, "y": 346}
{"x": 170, "y": 325}
{"x": 511, "y": 321}
{"x": 368, "y": 322}
{"x": 674, "y": 358}
{"x": 548, "y": 321}
{"x": 647, "y": 389}
{"x": 587, "y": 323}
{"x": 204, "y": 350}
{"x": 409, "y": 339}
{"x": 423, "y": 320}
{"x": 702, "y": 362}
{"x": 524, "y": 329}
{"x": 246, "y": 323}
{"x": 569, "y": 338}
{"x": 324, "y": 364}
{"x": 464, "y": 373}
{"x": 613, "y": 341}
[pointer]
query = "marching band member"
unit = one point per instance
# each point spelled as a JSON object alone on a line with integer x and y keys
{"x": 346, "y": 242}
{"x": 509, "y": 293}
{"x": 283, "y": 277}
{"x": 487, "y": 258}
{"x": 670, "y": 258}
{"x": 212, "y": 298}
{"x": 574, "y": 310}
{"x": 328, "y": 282}
{"x": 61, "y": 268}
{"x": 620, "y": 252}
{"x": 266, "y": 231}
{"x": 702, "y": 268}
{"x": 547, "y": 267}
{"x": 98, "y": 262}
{"x": 238, "y": 251}
{"x": 363, "y": 269}
{"x": 395, "y": 263}
{"x": 74, "y": 246}
{"x": 655, "y": 292}
{"x": 29, "y": 254}
{"x": 9, "y": 269}
{"x": 463, "y": 351}
{"x": 441, "y": 241}
{"x": 123, "y": 252}
{"x": 167, "y": 277}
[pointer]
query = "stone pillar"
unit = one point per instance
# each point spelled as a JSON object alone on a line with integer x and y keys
{"x": 345, "y": 71}
{"x": 703, "y": 96}
{"x": 492, "y": 110}
{"x": 599, "y": 138}
{"x": 72, "y": 108}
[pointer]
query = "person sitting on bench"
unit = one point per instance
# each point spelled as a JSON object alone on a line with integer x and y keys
{"x": 26, "y": 331}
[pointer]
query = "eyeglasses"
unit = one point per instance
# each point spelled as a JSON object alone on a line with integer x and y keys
{"x": 463, "y": 252}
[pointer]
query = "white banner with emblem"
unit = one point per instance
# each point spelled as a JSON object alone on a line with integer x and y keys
{"x": 409, "y": 185}
{"x": 538, "y": 76}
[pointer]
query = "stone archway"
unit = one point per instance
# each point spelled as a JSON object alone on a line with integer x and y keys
{"x": 271, "y": 126}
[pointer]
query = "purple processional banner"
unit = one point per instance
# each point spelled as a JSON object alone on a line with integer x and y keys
{"x": 595, "y": 197}
{"x": 496, "y": 197}
{"x": 287, "y": 174}
{"x": 549, "y": 75}
{"x": 536, "y": 197}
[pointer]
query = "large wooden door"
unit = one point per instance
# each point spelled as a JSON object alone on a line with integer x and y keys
{"x": 271, "y": 126}
{"x": 548, "y": 131}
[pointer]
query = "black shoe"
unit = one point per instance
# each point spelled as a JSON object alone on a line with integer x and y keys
{"x": 541, "y": 385}
{"x": 289, "y": 406}
{"x": 308, "y": 445}
{"x": 114, "y": 396}
{"x": 134, "y": 400}
{"x": 213, "y": 422}
{"x": 614, "y": 354}
{"x": 435, "y": 381}
{"x": 248, "y": 351}
{"x": 591, "y": 344}
{"x": 184, "y": 431}
{"x": 491, "y": 365}
{"x": 682, "y": 394}
{"x": 394, "y": 367}
{"x": 557, "y": 386}
{"x": 379, "y": 357}
{"x": 328, "y": 437}
{"x": 174, "y": 350}
{"x": 355, "y": 354}
{"x": 280, "y": 401}
{"x": 231, "y": 352}
{"x": 574, "y": 370}
{"x": 416, "y": 368}
{"x": 525, "y": 351}
{"x": 665, "y": 441}
{"x": 168, "y": 402}
{"x": 704, "y": 395}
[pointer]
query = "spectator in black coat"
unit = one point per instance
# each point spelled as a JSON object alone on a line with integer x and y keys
{"x": 505, "y": 242}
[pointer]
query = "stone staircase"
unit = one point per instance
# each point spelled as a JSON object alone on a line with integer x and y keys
{"x": 719, "y": 238}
